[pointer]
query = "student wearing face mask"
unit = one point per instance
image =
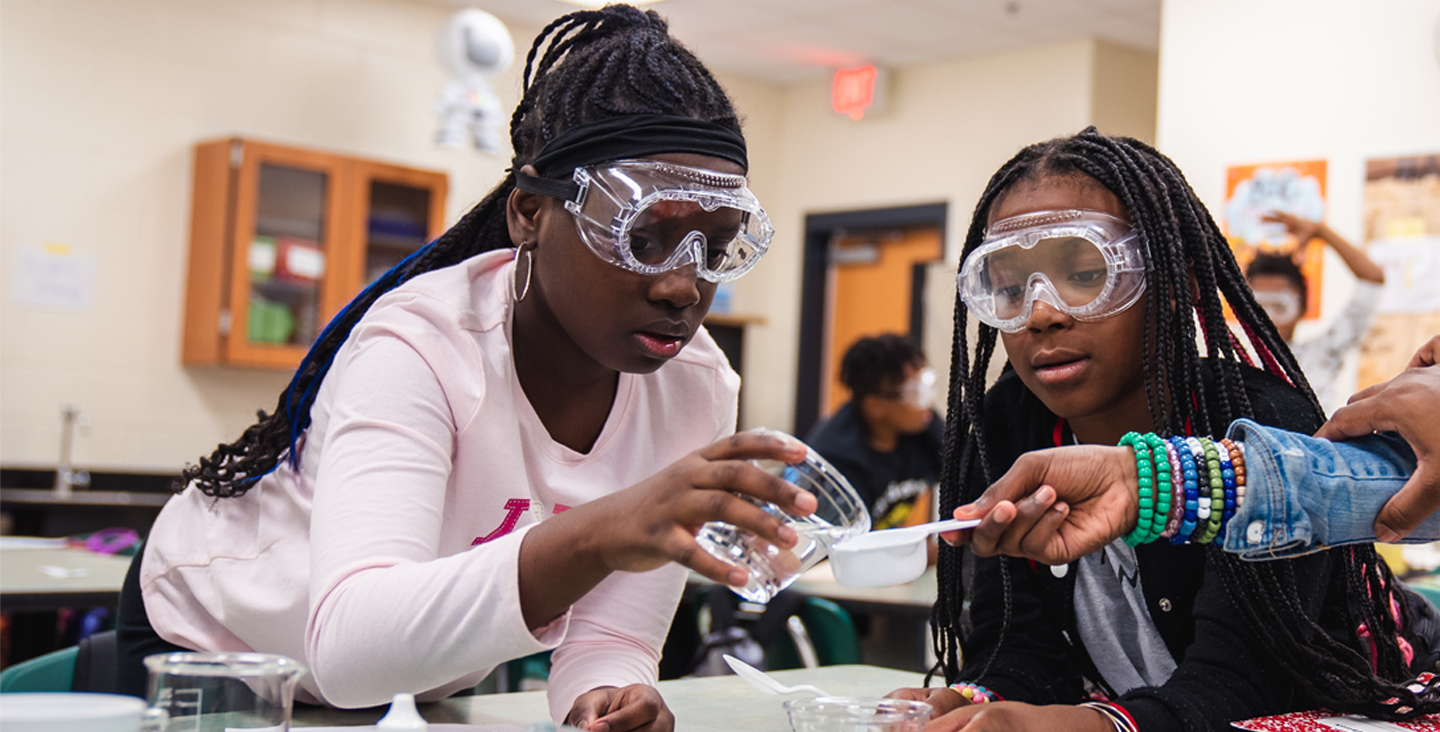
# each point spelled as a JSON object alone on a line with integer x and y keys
{"x": 886, "y": 439}
{"x": 1281, "y": 289}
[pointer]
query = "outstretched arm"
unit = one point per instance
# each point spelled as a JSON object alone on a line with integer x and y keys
{"x": 1407, "y": 404}
{"x": 1020, "y": 515}
{"x": 1304, "y": 230}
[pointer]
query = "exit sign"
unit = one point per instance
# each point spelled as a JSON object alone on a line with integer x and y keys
{"x": 853, "y": 91}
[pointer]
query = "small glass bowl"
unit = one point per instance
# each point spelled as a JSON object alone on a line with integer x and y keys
{"x": 839, "y": 514}
{"x": 852, "y": 714}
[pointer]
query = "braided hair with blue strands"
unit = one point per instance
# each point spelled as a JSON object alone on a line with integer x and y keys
{"x": 593, "y": 65}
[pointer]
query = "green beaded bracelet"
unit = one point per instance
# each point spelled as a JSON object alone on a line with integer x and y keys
{"x": 1145, "y": 468}
{"x": 1163, "y": 484}
{"x": 1217, "y": 492}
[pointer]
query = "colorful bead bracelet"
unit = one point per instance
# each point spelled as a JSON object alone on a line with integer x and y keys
{"x": 1188, "y": 488}
{"x": 975, "y": 693}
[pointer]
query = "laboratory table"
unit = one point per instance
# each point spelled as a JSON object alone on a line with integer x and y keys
{"x": 50, "y": 578}
{"x": 709, "y": 704}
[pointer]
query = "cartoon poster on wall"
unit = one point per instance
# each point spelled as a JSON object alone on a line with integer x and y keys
{"x": 1254, "y": 191}
{"x": 1402, "y": 230}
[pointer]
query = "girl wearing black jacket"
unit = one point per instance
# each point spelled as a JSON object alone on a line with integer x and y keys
{"x": 1095, "y": 261}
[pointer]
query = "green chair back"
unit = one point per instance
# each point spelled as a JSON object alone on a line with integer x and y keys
{"x": 53, "y": 671}
{"x": 831, "y": 630}
{"x": 1429, "y": 593}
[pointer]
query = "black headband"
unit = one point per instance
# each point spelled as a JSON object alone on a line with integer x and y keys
{"x": 638, "y": 136}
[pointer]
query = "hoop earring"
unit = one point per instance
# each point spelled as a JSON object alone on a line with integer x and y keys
{"x": 529, "y": 269}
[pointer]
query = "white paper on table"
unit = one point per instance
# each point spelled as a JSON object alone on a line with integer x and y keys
{"x": 1351, "y": 723}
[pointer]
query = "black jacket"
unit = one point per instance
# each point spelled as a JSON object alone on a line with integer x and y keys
{"x": 1222, "y": 675}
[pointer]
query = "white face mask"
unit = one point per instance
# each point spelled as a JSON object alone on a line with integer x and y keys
{"x": 1283, "y": 306}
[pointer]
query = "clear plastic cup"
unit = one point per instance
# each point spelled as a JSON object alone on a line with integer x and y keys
{"x": 850, "y": 714}
{"x": 839, "y": 514}
{"x": 224, "y": 691}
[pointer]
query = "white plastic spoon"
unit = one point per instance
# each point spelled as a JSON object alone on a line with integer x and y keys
{"x": 764, "y": 682}
{"x": 889, "y": 557}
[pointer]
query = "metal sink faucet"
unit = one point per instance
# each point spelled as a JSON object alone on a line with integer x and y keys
{"x": 66, "y": 477}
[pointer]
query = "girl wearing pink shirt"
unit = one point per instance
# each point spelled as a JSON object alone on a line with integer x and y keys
{"x": 507, "y": 443}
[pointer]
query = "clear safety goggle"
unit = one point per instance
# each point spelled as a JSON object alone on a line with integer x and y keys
{"x": 651, "y": 217}
{"x": 1086, "y": 264}
{"x": 1283, "y": 306}
{"x": 919, "y": 390}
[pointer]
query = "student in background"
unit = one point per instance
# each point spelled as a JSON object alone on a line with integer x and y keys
{"x": 886, "y": 439}
{"x": 1281, "y": 289}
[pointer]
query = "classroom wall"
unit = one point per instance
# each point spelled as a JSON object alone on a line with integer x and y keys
{"x": 1255, "y": 81}
{"x": 102, "y": 102}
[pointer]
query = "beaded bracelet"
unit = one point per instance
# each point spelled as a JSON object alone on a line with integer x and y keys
{"x": 1177, "y": 493}
{"x": 1202, "y": 513}
{"x": 1119, "y": 718}
{"x": 1189, "y": 487}
{"x": 1145, "y": 468}
{"x": 1217, "y": 492}
{"x": 975, "y": 693}
{"x": 1192, "y": 490}
{"x": 1227, "y": 476}
{"x": 1163, "y": 490}
{"x": 1237, "y": 459}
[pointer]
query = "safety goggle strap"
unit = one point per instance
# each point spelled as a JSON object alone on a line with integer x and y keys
{"x": 565, "y": 190}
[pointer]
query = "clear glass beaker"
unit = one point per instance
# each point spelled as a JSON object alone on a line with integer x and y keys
{"x": 839, "y": 514}
{"x": 217, "y": 692}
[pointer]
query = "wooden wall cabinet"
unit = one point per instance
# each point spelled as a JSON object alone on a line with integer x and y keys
{"x": 281, "y": 238}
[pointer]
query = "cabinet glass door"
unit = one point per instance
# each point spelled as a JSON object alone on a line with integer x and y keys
{"x": 287, "y": 257}
{"x": 283, "y": 250}
{"x": 397, "y": 225}
{"x": 398, "y": 211}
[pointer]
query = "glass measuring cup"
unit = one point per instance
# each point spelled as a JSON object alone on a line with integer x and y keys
{"x": 839, "y": 514}
{"x": 848, "y": 714}
{"x": 219, "y": 692}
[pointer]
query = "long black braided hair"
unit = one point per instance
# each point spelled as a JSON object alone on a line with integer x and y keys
{"x": 1180, "y": 238}
{"x": 583, "y": 67}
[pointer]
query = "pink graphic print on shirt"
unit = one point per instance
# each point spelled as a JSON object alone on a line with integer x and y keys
{"x": 513, "y": 507}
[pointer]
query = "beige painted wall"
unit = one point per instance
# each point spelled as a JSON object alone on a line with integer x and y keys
{"x": 102, "y": 102}
{"x": 1254, "y": 81}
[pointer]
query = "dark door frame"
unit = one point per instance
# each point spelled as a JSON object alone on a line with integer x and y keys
{"x": 819, "y": 229}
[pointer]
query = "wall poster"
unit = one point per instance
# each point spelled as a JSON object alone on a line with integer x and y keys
{"x": 1251, "y": 191}
{"x": 1402, "y": 231}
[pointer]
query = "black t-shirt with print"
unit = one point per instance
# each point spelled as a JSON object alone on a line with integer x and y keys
{"x": 888, "y": 482}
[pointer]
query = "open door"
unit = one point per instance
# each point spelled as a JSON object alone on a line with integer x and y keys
{"x": 878, "y": 287}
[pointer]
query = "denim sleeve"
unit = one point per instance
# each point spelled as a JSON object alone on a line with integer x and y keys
{"x": 1303, "y": 493}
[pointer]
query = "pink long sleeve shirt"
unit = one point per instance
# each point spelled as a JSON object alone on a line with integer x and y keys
{"x": 388, "y": 560}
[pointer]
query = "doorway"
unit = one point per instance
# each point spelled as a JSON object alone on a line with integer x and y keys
{"x": 864, "y": 274}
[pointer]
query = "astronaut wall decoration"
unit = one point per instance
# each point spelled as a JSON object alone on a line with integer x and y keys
{"x": 473, "y": 46}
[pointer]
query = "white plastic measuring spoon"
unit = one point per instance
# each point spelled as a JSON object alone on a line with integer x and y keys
{"x": 764, "y": 682}
{"x": 889, "y": 557}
